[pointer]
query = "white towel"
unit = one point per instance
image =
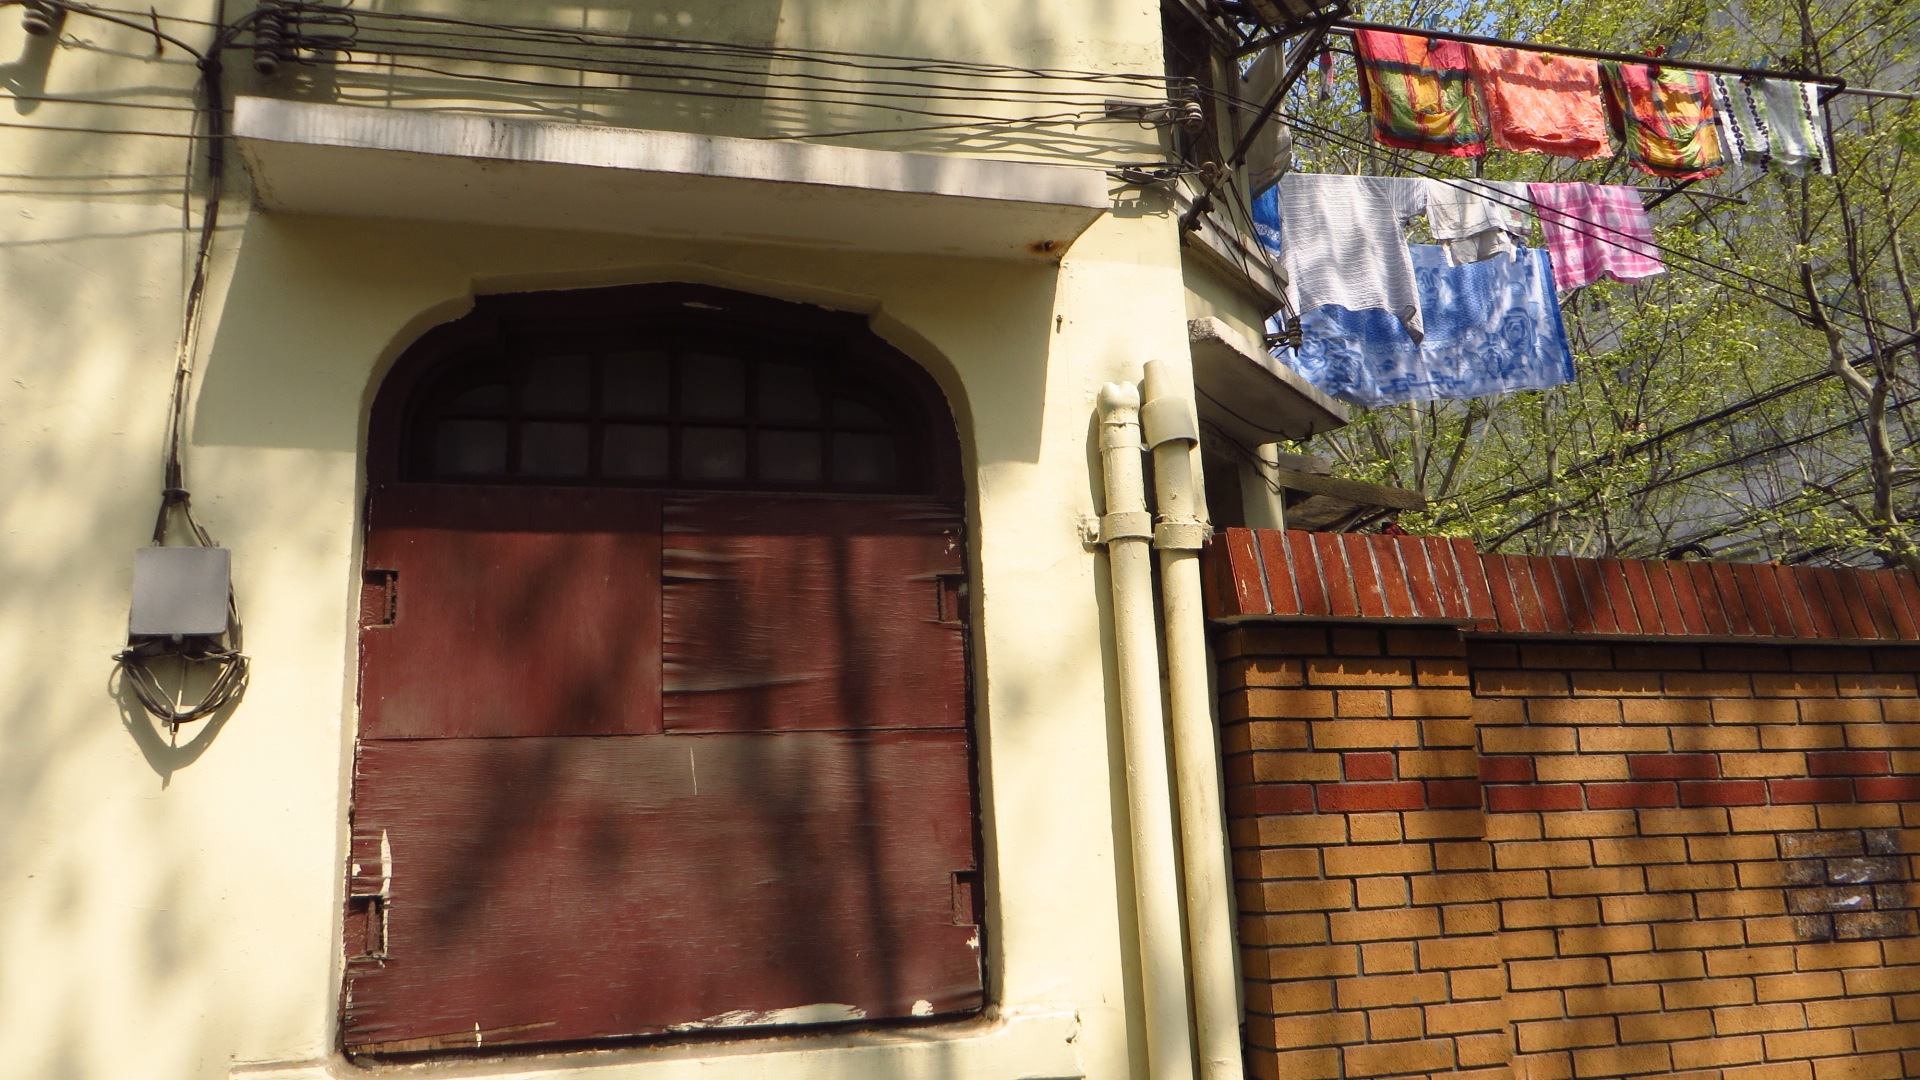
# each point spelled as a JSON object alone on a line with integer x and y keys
{"x": 1343, "y": 244}
{"x": 1475, "y": 219}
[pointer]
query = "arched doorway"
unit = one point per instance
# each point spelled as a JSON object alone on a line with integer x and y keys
{"x": 663, "y": 698}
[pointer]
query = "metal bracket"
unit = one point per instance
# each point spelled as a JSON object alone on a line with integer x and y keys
{"x": 1181, "y": 535}
{"x": 1126, "y": 525}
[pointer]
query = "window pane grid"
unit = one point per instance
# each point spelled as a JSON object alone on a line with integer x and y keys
{"x": 684, "y": 416}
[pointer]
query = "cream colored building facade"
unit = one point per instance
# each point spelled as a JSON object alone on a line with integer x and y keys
{"x": 170, "y": 906}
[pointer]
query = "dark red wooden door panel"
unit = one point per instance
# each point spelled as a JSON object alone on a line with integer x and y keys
{"x": 789, "y": 614}
{"x": 546, "y": 889}
{"x": 504, "y": 611}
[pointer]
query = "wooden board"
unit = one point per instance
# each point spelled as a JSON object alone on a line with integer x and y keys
{"x": 788, "y": 614}
{"x": 552, "y": 889}
{"x": 510, "y": 611}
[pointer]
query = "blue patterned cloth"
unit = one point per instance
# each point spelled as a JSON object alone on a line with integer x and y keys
{"x": 1491, "y": 327}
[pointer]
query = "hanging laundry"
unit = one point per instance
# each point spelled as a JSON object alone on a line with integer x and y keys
{"x": 1665, "y": 119}
{"x": 1743, "y": 119}
{"x": 1539, "y": 103}
{"x": 1476, "y": 219}
{"x": 1419, "y": 93}
{"x": 1795, "y": 126}
{"x": 1341, "y": 241}
{"x": 1595, "y": 231}
{"x": 1272, "y": 148}
{"x": 1492, "y": 327}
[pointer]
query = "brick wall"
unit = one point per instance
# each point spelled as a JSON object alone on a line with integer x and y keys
{"x": 1459, "y": 854}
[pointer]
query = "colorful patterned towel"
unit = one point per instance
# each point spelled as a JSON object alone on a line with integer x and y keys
{"x": 1665, "y": 118}
{"x": 1419, "y": 94}
{"x": 1797, "y": 129}
{"x": 1538, "y": 103}
{"x": 1492, "y": 327}
{"x": 1743, "y": 119}
{"x": 1595, "y": 231}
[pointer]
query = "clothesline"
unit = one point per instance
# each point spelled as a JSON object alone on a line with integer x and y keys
{"x": 1834, "y": 83}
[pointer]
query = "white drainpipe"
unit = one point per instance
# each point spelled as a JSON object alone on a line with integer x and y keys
{"x": 1127, "y": 531}
{"x": 1173, "y": 432}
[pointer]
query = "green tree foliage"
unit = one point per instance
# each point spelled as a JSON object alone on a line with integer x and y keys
{"x": 1709, "y": 407}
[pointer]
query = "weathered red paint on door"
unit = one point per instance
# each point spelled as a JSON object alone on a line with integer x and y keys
{"x": 540, "y": 859}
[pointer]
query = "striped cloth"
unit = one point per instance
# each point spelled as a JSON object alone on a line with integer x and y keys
{"x": 1419, "y": 93}
{"x": 1665, "y": 118}
{"x": 1595, "y": 231}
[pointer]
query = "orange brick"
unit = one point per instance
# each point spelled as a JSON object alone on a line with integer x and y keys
{"x": 1555, "y": 1065}
{"x": 1555, "y": 710}
{"x": 1577, "y": 911}
{"x": 1639, "y": 850}
{"x": 1666, "y": 1026}
{"x": 1711, "y": 1053}
{"x": 1261, "y": 671}
{"x": 1872, "y": 1040}
{"x": 1615, "y": 909}
{"x": 1493, "y": 1048}
{"x": 1862, "y": 816}
{"x": 1593, "y": 1001}
{"x": 1302, "y": 962}
{"x": 1281, "y": 830}
{"x": 1462, "y": 856}
{"x": 1305, "y": 895}
{"x": 1470, "y": 918}
{"x": 1836, "y": 954}
{"x": 1860, "y": 1067}
{"x": 1475, "y": 888}
{"x": 1437, "y": 733}
{"x": 1749, "y": 1019}
{"x": 1386, "y": 925}
{"x": 1462, "y": 1017}
{"x": 1770, "y": 931}
{"x": 1822, "y": 1042}
{"x": 1622, "y": 1060}
{"x": 1388, "y": 1059}
{"x": 1657, "y": 966}
{"x": 1302, "y": 1065}
{"x": 1286, "y": 704}
{"x": 1623, "y": 740}
{"x": 1739, "y": 903}
{"x": 1313, "y": 1029}
{"x": 1455, "y": 763}
{"x": 1534, "y": 1005}
{"x": 1566, "y": 1034}
{"x": 1879, "y": 735}
{"x": 1600, "y": 880}
{"x": 1606, "y": 940}
{"x": 1782, "y": 737}
{"x": 1379, "y": 859}
{"x": 1287, "y": 862}
{"x": 1854, "y": 684}
{"x": 1617, "y": 683}
{"x": 1513, "y": 826}
{"x": 1843, "y": 711}
{"x": 1563, "y": 768}
{"x": 1773, "y": 818}
{"x": 1532, "y": 854}
{"x": 1757, "y": 961}
{"x": 1292, "y": 997}
{"x": 1783, "y": 1070}
{"x": 1376, "y": 991}
{"x": 1528, "y": 740}
{"x": 1305, "y": 929}
{"x": 1379, "y": 892}
{"x": 1429, "y": 701}
{"x": 1527, "y": 684}
{"x": 1666, "y": 711}
{"x": 1373, "y": 828}
{"x": 1450, "y": 672}
{"x": 1358, "y": 671}
{"x": 1276, "y": 735}
{"x": 1797, "y": 684}
{"x": 1590, "y": 823}
{"x": 1542, "y": 974}
{"x": 1385, "y": 1025}
{"x": 1495, "y": 710}
{"x": 1364, "y": 734}
{"x": 1698, "y": 819}
{"x": 1361, "y": 703}
{"x": 1443, "y": 953}
{"x": 1708, "y": 684}
{"x": 1281, "y": 767}
{"x": 1885, "y": 980}
{"x": 1672, "y": 878}
{"x": 1731, "y": 848}
{"x": 1438, "y": 824}
{"x": 1466, "y": 984}
{"x": 1871, "y": 1010}
{"x": 1387, "y": 957}
{"x": 1711, "y": 934}
{"x": 1527, "y": 944}
{"x": 1706, "y": 993}
{"x": 1719, "y": 737}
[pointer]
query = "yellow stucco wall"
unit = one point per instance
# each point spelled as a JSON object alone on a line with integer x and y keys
{"x": 171, "y": 910}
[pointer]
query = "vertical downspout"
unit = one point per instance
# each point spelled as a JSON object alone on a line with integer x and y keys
{"x": 1127, "y": 531}
{"x": 1173, "y": 431}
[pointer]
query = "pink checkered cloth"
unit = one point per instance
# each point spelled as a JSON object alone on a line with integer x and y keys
{"x": 1595, "y": 231}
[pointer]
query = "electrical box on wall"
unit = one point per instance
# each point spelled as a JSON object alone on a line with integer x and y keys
{"x": 180, "y": 591}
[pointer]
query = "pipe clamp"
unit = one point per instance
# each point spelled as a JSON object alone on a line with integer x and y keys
{"x": 1181, "y": 535}
{"x": 1125, "y": 524}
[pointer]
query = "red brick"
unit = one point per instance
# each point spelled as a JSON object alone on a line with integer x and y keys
{"x": 1503, "y": 797}
{"x": 1847, "y": 763}
{"x": 1887, "y": 788}
{"x": 1811, "y": 791}
{"x": 1623, "y": 796}
{"x": 1508, "y": 768}
{"x": 1368, "y": 766}
{"x": 1673, "y": 766}
{"x": 1453, "y": 793}
{"x": 1246, "y": 801}
{"x": 1723, "y": 793}
{"x": 1348, "y": 798}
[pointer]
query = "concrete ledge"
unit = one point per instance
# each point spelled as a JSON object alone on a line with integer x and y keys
{"x": 316, "y": 158}
{"x": 1249, "y": 394}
